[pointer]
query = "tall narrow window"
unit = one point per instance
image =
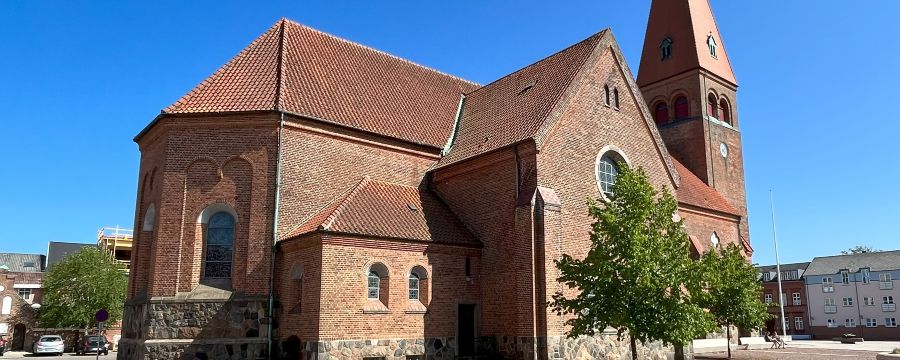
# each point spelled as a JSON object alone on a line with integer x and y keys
{"x": 681, "y": 108}
{"x": 711, "y": 41}
{"x": 865, "y": 276}
{"x": 413, "y": 286}
{"x": 219, "y": 246}
{"x": 666, "y": 48}
{"x": 606, "y": 94}
{"x": 616, "y": 97}
{"x": 374, "y": 285}
{"x": 724, "y": 111}
{"x": 712, "y": 106}
{"x": 661, "y": 113}
{"x": 845, "y": 277}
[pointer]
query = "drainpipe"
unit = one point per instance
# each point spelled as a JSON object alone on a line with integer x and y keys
{"x": 271, "y": 307}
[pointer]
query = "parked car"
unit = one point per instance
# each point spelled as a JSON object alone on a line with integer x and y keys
{"x": 91, "y": 344}
{"x": 49, "y": 344}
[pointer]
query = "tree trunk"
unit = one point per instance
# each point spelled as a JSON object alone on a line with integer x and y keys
{"x": 633, "y": 347}
{"x": 728, "y": 338}
{"x": 679, "y": 351}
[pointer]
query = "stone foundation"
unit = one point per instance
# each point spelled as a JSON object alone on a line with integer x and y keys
{"x": 185, "y": 328}
{"x": 501, "y": 347}
{"x": 394, "y": 349}
{"x": 604, "y": 346}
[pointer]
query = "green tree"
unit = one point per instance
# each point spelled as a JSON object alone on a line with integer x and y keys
{"x": 730, "y": 290}
{"x": 636, "y": 271}
{"x": 859, "y": 249}
{"x": 81, "y": 284}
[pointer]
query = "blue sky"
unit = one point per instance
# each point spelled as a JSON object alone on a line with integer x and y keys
{"x": 816, "y": 97}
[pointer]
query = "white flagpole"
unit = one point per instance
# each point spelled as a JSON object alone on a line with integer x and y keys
{"x": 781, "y": 297}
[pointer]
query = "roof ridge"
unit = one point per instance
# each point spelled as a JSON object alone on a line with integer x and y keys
{"x": 538, "y": 61}
{"x": 860, "y": 254}
{"x": 279, "y": 65}
{"x": 343, "y": 203}
{"x": 286, "y": 20}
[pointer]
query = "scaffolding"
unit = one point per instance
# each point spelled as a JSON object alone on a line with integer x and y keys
{"x": 116, "y": 241}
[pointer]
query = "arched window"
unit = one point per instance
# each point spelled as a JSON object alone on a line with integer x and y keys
{"x": 616, "y": 97}
{"x": 378, "y": 285}
{"x": 661, "y": 113}
{"x": 219, "y": 246}
{"x": 714, "y": 239}
{"x": 666, "y": 48}
{"x": 682, "y": 108}
{"x": 712, "y": 106}
{"x": 725, "y": 111}
{"x": 607, "y": 172}
{"x": 413, "y": 286}
{"x": 711, "y": 42}
{"x": 374, "y": 287}
{"x": 7, "y": 305}
{"x": 149, "y": 218}
{"x": 606, "y": 94}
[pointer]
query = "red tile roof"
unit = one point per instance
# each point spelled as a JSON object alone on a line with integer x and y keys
{"x": 515, "y": 107}
{"x": 375, "y": 208}
{"x": 303, "y": 71}
{"x": 688, "y": 23}
{"x": 694, "y": 191}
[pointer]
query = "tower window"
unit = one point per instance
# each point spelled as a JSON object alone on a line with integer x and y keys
{"x": 681, "y": 108}
{"x": 661, "y": 113}
{"x": 666, "y": 48}
{"x": 725, "y": 111}
{"x": 712, "y": 106}
{"x": 606, "y": 94}
{"x": 711, "y": 41}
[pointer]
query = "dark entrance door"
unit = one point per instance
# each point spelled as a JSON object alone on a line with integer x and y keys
{"x": 18, "y": 340}
{"x": 466, "y": 330}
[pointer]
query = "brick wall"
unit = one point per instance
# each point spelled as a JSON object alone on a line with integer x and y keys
{"x": 483, "y": 193}
{"x": 339, "y": 308}
{"x": 237, "y": 169}
{"x": 568, "y": 159}
{"x": 320, "y": 163}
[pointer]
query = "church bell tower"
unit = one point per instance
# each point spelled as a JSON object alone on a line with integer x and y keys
{"x": 686, "y": 78}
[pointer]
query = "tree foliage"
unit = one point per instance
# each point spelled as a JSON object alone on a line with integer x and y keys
{"x": 730, "y": 290}
{"x": 859, "y": 249}
{"x": 636, "y": 271}
{"x": 81, "y": 284}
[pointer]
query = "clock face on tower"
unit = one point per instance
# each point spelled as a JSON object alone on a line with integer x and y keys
{"x": 723, "y": 149}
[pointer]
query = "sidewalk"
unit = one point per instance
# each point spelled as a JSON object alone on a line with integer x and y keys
{"x": 876, "y": 346}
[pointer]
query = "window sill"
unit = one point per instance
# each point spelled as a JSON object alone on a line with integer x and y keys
{"x": 416, "y": 307}
{"x": 375, "y": 307}
{"x": 366, "y": 311}
{"x": 416, "y": 311}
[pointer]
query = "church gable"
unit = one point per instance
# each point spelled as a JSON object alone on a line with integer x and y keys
{"x": 604, "y": 109}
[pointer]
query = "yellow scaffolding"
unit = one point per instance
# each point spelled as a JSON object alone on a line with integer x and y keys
{"x": 116, "y": 241}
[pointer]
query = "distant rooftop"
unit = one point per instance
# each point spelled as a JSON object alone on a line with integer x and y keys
{"x": 57, "y": 251}
{"x": 22, "y": 262}
{"x": 875, "y": 261}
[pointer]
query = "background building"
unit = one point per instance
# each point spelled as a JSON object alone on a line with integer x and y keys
{"x": 793, "y": 296}
{"x": 21, "y": 276}
{"x": 58, "y": 250}
{"x": 854, "y": 294}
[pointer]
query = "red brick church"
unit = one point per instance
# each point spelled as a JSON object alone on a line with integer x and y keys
{"x": 319, "y": 199}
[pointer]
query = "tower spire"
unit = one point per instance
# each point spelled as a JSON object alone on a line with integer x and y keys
{"x": 682, "y": 35}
